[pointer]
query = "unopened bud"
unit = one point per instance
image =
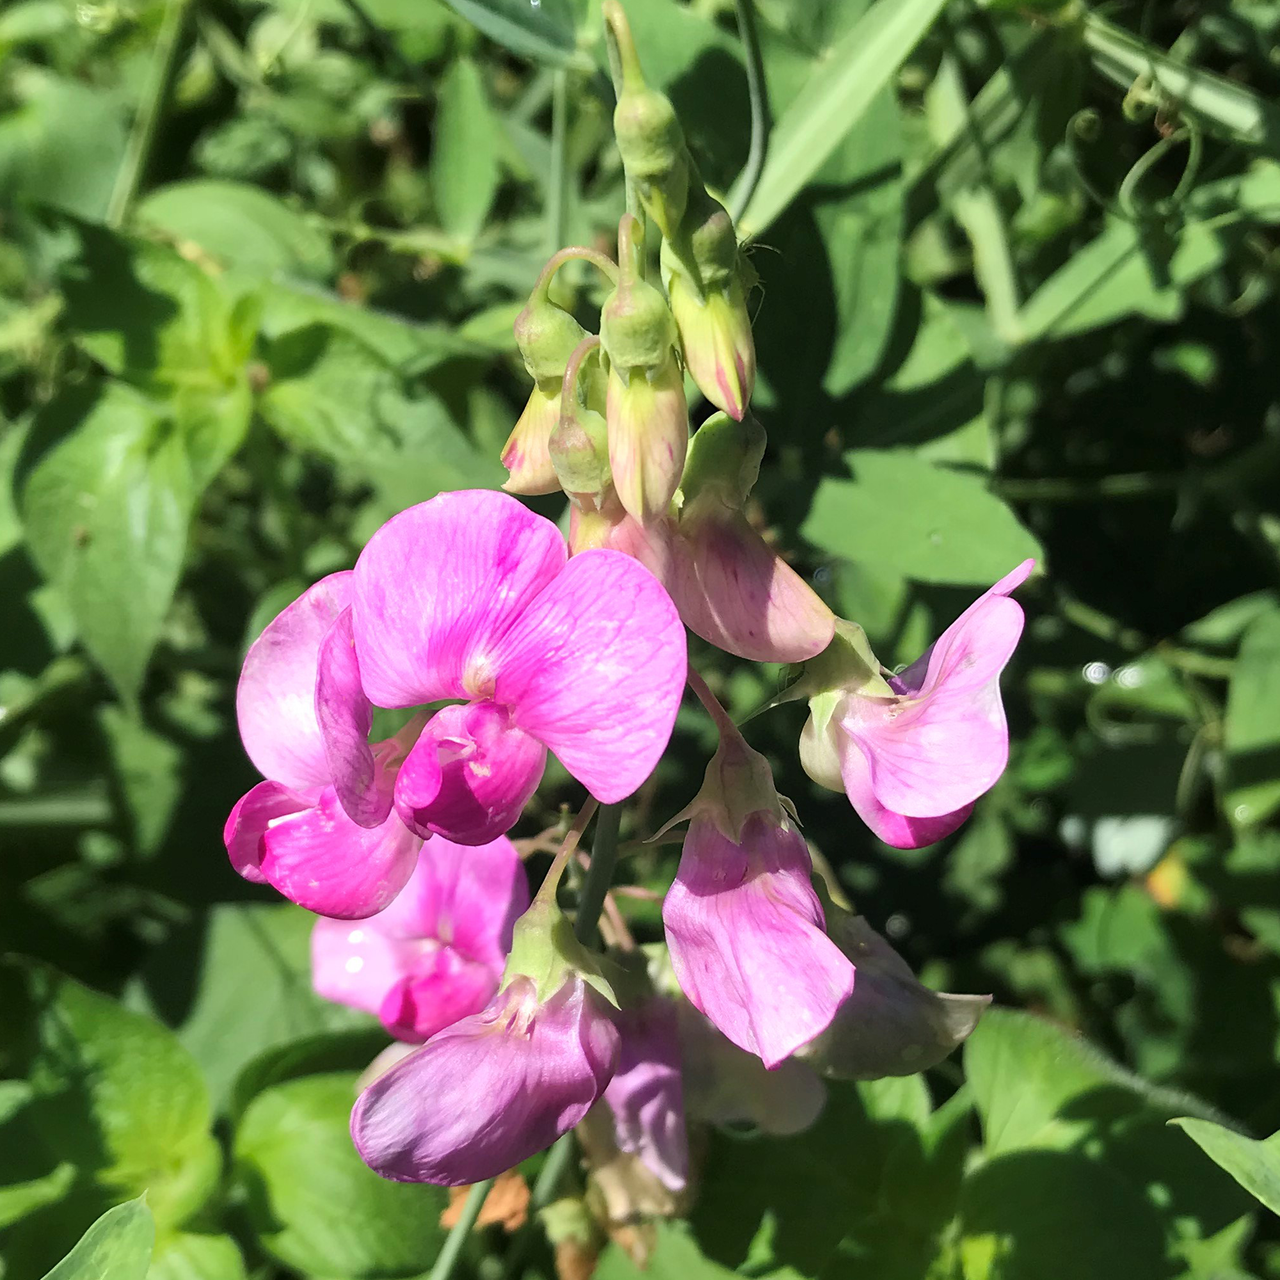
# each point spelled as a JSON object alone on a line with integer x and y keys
{"x": 648, "y": 436}
{"x": 578, "y": 446}
{"x": 719, "y": 349}
{"x": 526, "y": 455}
{"x": 547, "y": 336}
{"x": 724, "y": 462}
{"x": 649, "y": 136}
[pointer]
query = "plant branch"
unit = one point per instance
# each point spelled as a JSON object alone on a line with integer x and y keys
{"x": 745, "y": 185}
{"x": 457, "y": 1236}
{"x": 604, "y": 855}
{"x": 557, "y": 188}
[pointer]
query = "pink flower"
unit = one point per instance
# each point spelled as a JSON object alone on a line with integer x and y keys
{"x": 491, "y": 1090}
{"x": 914, "y": 751}
{"x": 745, "y": 931}
{"x": 645, "y": 1094}
{"x": 291, "y": 831}
{"x": 471, "y": 596}
{"x": 436, "y": 954}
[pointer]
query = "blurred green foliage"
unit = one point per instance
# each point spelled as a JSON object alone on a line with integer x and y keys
{"x": 259, "y": 261}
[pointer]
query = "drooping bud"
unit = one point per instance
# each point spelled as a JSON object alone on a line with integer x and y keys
{"x": 892, "y": 1025}
{"x": 546, "y": 336}
{"x": 648, "y": 133}
{"x": 913, "y": 751}
{"x": 501, "y": 1085}
{"x": 646, "y": 411}
{"x": 744, "y": 926}
{"x": 579, "y": 445}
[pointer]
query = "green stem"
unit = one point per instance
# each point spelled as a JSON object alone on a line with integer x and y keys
{"x": 622, "y": 62}
{"x": 461, "y": 1229}
{"x": 745, "y": 186}
{"x": 557, "y": 190}
{"x": 604, "y": 854}
{"x": 544, "y": 1191}
{"x": 160, "y": 76}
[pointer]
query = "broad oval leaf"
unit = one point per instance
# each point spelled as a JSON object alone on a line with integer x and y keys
{"x": 117, "y": 1247}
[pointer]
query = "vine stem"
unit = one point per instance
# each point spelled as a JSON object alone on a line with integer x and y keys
{"x": 544, "y": 1190}
{"x": 604, "y": 856}
{"x": 557, "y": 190}
{"x": 745, "y": 186}
{"x": 724, "y": 722}
{"x": 457, "y": 1236}
{"x": 160, "y": 77}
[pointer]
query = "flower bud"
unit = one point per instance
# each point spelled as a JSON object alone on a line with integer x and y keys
{"x": 648, "y": 133}
{"x": 715, "y": 333}
{"x": 526, "y": 455}
{"x": 579, "y": 447}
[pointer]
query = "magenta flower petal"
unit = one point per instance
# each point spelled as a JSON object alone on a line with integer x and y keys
{"x": 323, "y": 861}
{"x": 745, "y": 931}
{"x": 436, "y": 954}
{"x": 595, "y": 669}
{"x": 275, "y": 699}
{"x": 469, "y": 775}
{"x": 437, "y": 587}
{"x": 254, "y": 812}
{"x": 645, "y": 1094}
{"x": 359, "y": 775}
{"x": 935, "y": 748}
{"x": 491, "y": 1090}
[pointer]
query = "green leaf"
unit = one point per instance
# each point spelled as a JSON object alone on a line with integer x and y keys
{"x": 106, "y": 513}
{"x": 148, "y": 769}
{"x": 464, "y": 161}
{"x": 253, "y": 990}
{"x": 114, "y": 1093}
{"x": 857, "y": 68}
{"x": 545, "y": 32}
{"x": 186, "y": 1256}
{"x": 1252, "y": 730}
{"x": 61, "y": 144}
{"x": 926, "y": 522}
{"x": 242, "y": 226}
{"x": 314, "y": 1204}
{"x": 116, "y": 1247}
{"x": 1254, "y": 1164}
{"x": 675, "y": 1256}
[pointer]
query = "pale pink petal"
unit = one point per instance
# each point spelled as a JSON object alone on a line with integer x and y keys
{"x": 595, "y": 669}
{"x": 469, "y": 775}
{"x": 254, "y": 812}
{"x": 737, "y": 593}
{"x": 932, "y": 751}
{"x": 362, "y": 779}
{"x": 437, "y": 587}
{"x": 745, "y": 932}
{"x": 491, "y": 1090}
{"x": 354, "y": 962}
{"x": 323, "y": 861}
{"x": 442, "y": 989}
{"x": 893, "y": 828}
{"x": 275, "y": 699}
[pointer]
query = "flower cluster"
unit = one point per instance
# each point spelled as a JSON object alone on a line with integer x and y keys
{"x": 401, "y": 714}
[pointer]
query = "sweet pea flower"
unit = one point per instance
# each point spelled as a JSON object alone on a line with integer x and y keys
{"x": 744, "y": 927}
{"x": 914, "y": 751}
{"x": 498, "y": 1086}
{"x": 291, "y": 831}
{"x": 471, "y": 596}
{"x": 436, "y": 954}
{"x": 645, "y": 1094}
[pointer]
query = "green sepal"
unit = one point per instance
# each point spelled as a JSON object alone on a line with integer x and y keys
{"x": 545, "y": 950}
{"x": 723, "y": 461}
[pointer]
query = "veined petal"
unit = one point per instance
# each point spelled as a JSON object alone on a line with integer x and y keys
{"x": 254, "y": 812}
{"x": 931, "y": 751}
{"x": 275, "y": 699}
{"x": 469, "y": 775}
{"x": 438, "y": 586}
{"x": 744, "y": 928}
{"x": 491, "y": 1090}
{"x": 323, "y": 861}
{"x": 595, "y": 669}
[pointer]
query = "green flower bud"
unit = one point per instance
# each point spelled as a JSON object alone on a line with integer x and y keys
{"x": 724, "y": 461}
{"x": 578, "y": 446}
{"x": 715, "y": 333}
{"x": 547, "y": 336}
{"x": 637, "y": 329}
{"x": 526, "y": 454}
{"x": 648, "y": 437}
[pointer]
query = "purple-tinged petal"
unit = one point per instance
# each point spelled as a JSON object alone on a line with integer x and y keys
{"x": 645, "y": 1094}
{"x": 254, "y": 812}
{"x": 323, "y": 861}
{"x": 437, "y": 587}
{"x": 358, "y": 963}
{"x": 737, "y": 593}
{"x": 469, "y": 775}
{"x": 894, "y": 829}
{"x": 275, "y": 699}
{"x": 362, "y": 779}
{"x": 745, "y": 931}
{"x": 491, "y": 1090}
{"x": 595, "y": 669}
{"x": 934, "y": 750}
